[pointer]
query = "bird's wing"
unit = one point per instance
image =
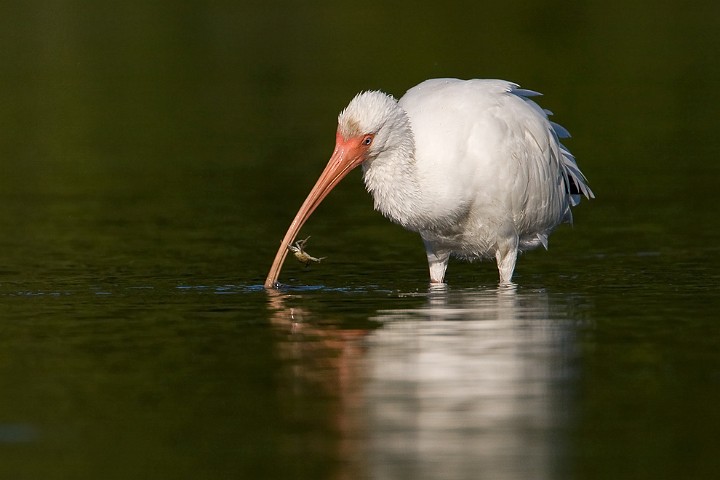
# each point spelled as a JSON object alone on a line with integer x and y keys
{"x": 575, "y": 182}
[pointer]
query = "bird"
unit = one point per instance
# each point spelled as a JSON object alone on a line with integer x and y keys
{"x": 476, "y": 167}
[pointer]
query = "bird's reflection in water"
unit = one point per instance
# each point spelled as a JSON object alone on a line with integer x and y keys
{"x": 472, "y": 384}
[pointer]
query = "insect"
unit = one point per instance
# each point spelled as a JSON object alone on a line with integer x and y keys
{"x": 298, "y": 249}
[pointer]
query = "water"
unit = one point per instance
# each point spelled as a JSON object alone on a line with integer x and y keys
{"x": 153, "y": 156}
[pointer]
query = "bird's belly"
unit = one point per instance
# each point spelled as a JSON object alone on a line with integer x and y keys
{"x": 464, "y": 241}
{"x": 469, "y": 238}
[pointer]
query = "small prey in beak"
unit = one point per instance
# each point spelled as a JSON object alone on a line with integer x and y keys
{"x": 298, "y": 249}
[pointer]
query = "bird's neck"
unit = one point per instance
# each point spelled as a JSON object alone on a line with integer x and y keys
{"x": 392, "y": 179}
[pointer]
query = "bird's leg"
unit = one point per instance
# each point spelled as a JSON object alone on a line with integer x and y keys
{"x": 437, "y": 261}
{"x": 506, "y": 256}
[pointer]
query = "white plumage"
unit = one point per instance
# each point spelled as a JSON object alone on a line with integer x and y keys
{"x": 475, "y": 167}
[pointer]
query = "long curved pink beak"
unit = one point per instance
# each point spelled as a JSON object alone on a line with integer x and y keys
{"x": 348, "y": 154}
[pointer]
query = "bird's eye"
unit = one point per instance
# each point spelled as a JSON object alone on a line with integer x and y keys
{"x": 367, "y": 139}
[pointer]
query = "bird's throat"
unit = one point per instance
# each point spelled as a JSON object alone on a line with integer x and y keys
{"x": 392, "y": 180}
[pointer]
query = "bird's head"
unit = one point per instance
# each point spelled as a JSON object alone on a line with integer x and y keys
{"x": 370, "y": 125}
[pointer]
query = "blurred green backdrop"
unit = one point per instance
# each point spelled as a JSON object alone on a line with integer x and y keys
{"x": 200, "y": 100}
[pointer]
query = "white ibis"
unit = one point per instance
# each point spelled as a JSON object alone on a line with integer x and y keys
{"x": 474, "y": 166}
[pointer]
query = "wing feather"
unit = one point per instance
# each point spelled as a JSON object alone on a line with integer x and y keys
{"x": 575, "y": 182}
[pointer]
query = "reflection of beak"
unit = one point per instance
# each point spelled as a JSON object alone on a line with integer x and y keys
{"x": 348, "y": 154}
